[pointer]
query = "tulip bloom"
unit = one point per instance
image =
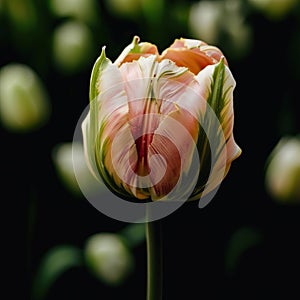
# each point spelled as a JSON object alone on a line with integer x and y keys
{"x": 150, "y": 113}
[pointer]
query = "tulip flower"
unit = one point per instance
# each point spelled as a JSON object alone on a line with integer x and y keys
{"x": 282, "y": 177}
{"x": 108, "y": 257}
{"x": 154, "y": 116}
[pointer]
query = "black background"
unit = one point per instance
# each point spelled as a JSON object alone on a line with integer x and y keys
{"x": 195, "y": 240}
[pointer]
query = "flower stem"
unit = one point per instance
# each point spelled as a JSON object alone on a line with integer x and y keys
{"x": 154, "y": 260}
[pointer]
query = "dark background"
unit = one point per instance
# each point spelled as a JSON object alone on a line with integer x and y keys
{"x": 195, "y": 240}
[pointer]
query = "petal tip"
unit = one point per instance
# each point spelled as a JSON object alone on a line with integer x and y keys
{"x": 135, "y": 40}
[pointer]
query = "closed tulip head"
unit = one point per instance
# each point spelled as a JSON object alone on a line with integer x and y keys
{"x": 161, "y": 125}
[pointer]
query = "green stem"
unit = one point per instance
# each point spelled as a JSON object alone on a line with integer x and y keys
{"x": 154, "y": 260}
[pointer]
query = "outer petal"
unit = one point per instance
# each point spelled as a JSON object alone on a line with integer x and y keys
{"x": 107, "y": 116}
{"x": 217, "y": 131}
{"x": 90, "y": 125}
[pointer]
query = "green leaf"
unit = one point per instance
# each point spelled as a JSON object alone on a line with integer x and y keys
{"x": 55, "y": 262}
{"x": 242, "y": 240}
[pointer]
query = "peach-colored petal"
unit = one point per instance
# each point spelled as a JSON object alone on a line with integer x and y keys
{"x": 120, "y": 156}
{"x": 214, "y": 53}
{"x": 193, "y": 54}
{"x": 168, "y": 163}
{"x": 135, "y": 50}
{"x": 187, "y": 43}
{"x": 192, "y": 59}
{"x": 199, "y": 46}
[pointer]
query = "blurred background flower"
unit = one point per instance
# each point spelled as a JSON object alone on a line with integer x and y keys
{"x": 82, "y": 10}
{"x": 108, "y": 257}
{"x": 283, "y": 170}
{"x": 72, "y": 46}
{"x": 24, "y": 102}
{"x": 222, "y": 23}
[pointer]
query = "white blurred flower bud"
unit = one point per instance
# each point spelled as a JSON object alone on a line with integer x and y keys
{"x": 108, "y": 257}
{"x": 213, "y": 21}
{"x": 79, "y": 9}
{"x": 72, "y": 46}
{"x": 204, "y": 20}
{"x": 282, "y": 176}
{"x": 274, "y": 9}
{"x": 24, "y": 103}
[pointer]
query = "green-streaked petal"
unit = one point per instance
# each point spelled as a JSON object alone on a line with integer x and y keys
{"x": 88, "y": 135}
{"x": 100, "y": 64}
{"x": 90, "y": 125}
{"x": 116, "y": 155}
{"x": 178, "y": 89}
{"x": 106, "y": 94}
{"x": 218, "y": 84}
{"x": 123, "y": 98}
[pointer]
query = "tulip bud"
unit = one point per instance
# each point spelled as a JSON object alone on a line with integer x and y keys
{"x": 83, "y": 10}
{"x": 24, "y": 103}
{"x": 205, "y": 19}
{"x": 282, "y": 176}
{"x": 212, "y": 20}
{"x": 108, "y": 257}
{"x": 161, "y": 124}
{"x": 72, "y": 46}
